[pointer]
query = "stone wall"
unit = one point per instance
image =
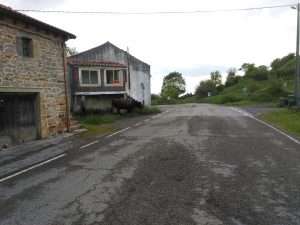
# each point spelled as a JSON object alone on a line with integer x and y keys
{"x": 42, "y": 73}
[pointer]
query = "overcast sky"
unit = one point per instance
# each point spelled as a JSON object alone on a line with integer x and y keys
{"x": 193, "y": 44}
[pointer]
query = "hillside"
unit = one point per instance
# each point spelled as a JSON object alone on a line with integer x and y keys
{"x": 259, "y": 84}
{"x": 257, "y": 87}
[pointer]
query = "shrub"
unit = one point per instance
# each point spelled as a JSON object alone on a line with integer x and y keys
{"x": 253, "y": 87}
{"x": 260, "y": 97}
{"x": 232, "y": 81}
{"x": 230, "y": 99}
{"x": 275, "y": 88}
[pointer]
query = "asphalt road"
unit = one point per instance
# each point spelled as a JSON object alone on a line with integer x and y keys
{"x": 193, "y": 164}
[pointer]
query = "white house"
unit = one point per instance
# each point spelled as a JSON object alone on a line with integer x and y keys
{"x": 103, "y": 73}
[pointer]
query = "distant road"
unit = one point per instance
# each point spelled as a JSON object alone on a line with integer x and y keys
{"x": 192, "y": 164}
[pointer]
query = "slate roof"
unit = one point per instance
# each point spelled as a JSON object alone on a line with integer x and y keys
{"x": 100, "y": 64}
{"x": 9, "y": 12}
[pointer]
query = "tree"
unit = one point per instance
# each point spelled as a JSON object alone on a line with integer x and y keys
{"x": 187, "y": 95}
{"x": 173, "y": 85}
{"x": 283, "y": 67}
{"x": 232, "y": 77}
{"x": 257, "y": 73}
{"x": 279, "y": 62}
{"x": 203, "y": 88}
{"x": 248, "y": 68}
{"x": 216, "y": 78}
{"x": 71, "y": 51}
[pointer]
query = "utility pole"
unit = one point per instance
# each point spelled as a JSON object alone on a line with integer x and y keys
{"x": 297, "y": 73}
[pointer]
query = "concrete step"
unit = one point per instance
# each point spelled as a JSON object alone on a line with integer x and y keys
{"x": 74, "y": 124}
{"x": 75, "y": 127}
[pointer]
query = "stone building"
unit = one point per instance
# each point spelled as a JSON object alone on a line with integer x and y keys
{"x": 106, "y": 72}
{"x": 33, "y": 102}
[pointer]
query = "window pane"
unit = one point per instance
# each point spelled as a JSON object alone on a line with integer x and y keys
{"x": 94, "y": 77}
{"x": 85, "y": 77}
{"x": 125, "y": 75}
{"x": 116, "y": 75}
{"x": 26, "y": 45}
{"x": 109, "y": 77}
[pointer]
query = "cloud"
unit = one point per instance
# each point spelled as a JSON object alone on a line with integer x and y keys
{"x": 33, "y": 4}
{"x": 196, "y": 71}
{"x": 203, "y": 70}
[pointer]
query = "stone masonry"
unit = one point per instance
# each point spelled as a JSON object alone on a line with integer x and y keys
{"x": 43, "y": 73}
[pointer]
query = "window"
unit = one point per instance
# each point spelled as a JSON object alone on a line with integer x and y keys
{"x": 27, "y": 47}
{"x": 113, "y": 77}
{"x": 89, "y": 77}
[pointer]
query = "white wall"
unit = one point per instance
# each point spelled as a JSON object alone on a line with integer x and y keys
{"x": 136, "y": 91}
{"x": 139, "y": 71}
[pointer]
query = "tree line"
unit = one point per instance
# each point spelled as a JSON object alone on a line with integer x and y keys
{"x": 174, "y": 85}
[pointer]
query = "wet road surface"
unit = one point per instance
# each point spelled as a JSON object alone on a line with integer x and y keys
{"x": 194, "y": 164}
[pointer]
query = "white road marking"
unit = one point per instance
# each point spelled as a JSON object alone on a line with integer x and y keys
{"x": 164, "y": 112}
{"x": 30, "y": 168}
{"x": 169, "y": 110}
{"x": 281, "y": 132}
{"x": 89, "y": 144}
{"x": 117, "y": 132}
{"x": 155, "y": 116}
{"x": 147, "y": 120}
{"x": 138, "y": 123}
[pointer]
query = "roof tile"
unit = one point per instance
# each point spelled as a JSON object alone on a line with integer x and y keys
{"x": 99, "y": 63}
{"x": 5, "y": 10}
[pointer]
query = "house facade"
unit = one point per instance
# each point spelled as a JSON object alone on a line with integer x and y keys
{"x": 33, "y": 100}
{"x": 106, "y": 72}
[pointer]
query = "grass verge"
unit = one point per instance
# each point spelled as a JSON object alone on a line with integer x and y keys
{"x": 96, "y": 119}
{"x": 145, "y": 111}
{"x": 99, "y": 123}
{"x": 288, "y": 120}
{"x": 97, "y": 129}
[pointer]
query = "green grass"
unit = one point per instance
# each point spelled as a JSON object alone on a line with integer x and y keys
{"x": 264, "y": 91}
{"x": 96, "y": 119}
{"x": 99, "y": 123}
{"x": 97, "y": 129}
{"x": 145, "y": 111}
{"x": 191, "y": 99}
{"x": 287, "y": 120}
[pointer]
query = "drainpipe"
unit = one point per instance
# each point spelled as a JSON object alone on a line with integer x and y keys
{"x": 66, "y": 87}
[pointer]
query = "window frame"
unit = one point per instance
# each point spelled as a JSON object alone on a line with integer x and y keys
{"x": 89, "y": 69}
{"x": 27, "y": 47}
{"x": 120, "y": 74}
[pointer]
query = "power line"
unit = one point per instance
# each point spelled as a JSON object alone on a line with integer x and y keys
{"x": 155, "y": 12}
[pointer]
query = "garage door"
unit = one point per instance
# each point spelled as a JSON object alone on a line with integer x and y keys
{"x": 18, "y": 118}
